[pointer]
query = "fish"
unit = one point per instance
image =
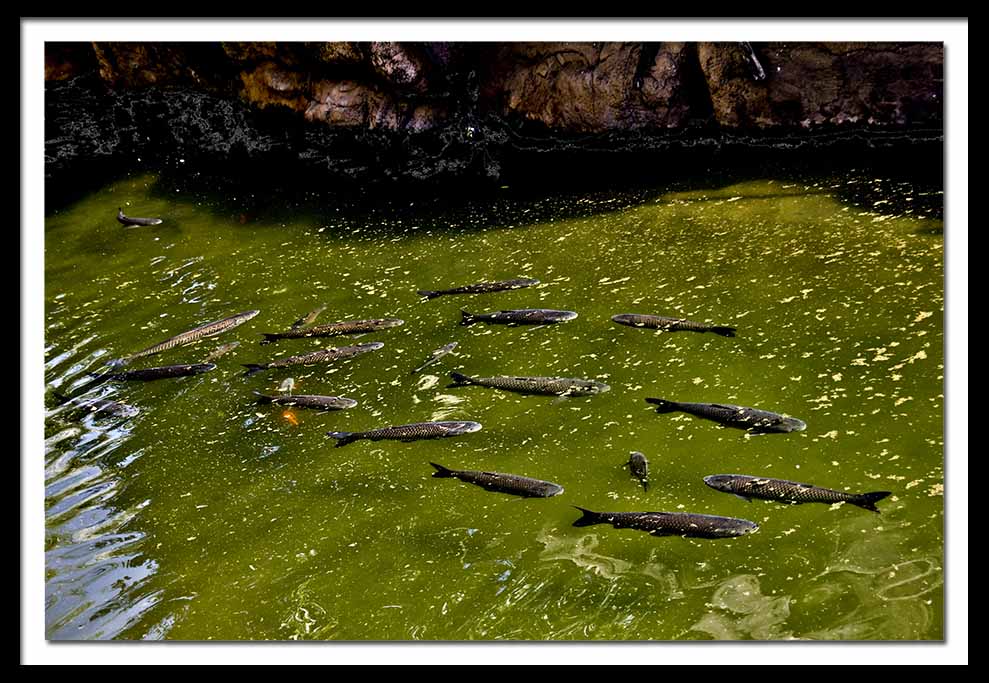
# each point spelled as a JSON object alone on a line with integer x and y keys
{"x": 148, "y": 374}
{"x": 308, "y": 317}
{"x": 131, "y": 220}
{"x": 334, "y": 329}
{"x": 308, "y": 401}
{"x": 193, "y": 335}
{"x": 103, "y": 406}
{"x": 524, "y": 316}
{"x": 639, "y": 467}
{"x": 410, "y": 432}
{"x": 658, "y": 322}
{"x": 514, "y": 484}
{"x": 321, "y": 356}
{"x": 221, "y": 350}
{"x": 792, "y": 492}
{"x": 435, "y": 356}
{"x": 750, "y": 419}
{"x": 687, "y": 524}
{"x": 552, "y": 386}
{"x": 480, "y": 288}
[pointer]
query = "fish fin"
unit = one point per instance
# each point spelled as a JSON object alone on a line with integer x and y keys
{"x": 261, "y": 397}
{"x": 645, "y": 485}
{"x": 745, "y": 498}
{"x": 467, "y": 318}
{"x": 441, "y": 472}
{"x": 724, "y": 331}
{"x": 459, "y": 380}
{"x": 252, "y": 368}
{"x": 343, "y": 438}
{"x": 588, "y": 519}
{"x": 868, "y": 500}
{"x": 662, "y": 405}
{"x": 428, "y": 293}
{"x": 562, "y": 398}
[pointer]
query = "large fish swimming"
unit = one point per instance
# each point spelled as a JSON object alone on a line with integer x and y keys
{"x": 334, "y": 329}
{"x": 410, "y": 432}
{"x": 308, "y": 401}
{"x": 658, "y": 322}
{"x": 514, "y": 484}
{"x": 308, "y": 317}
{"x": 221, "y": 350}
{"x": 133, "y": 220}
{"x": 481, "y": 287}
{"x": 740, "y": 417}
{"x": 147, "y": 374}
{"x": 552, "y": 386}
{"x": 193, "y": 335}
{"x": 639, "y": 467}
{"x": 436, "y": 355}
{"x": 321, "y": 356}
{"x": 671, "y": 523}
{"x": 523, "y": 316}
{"x": 793, "y": 492}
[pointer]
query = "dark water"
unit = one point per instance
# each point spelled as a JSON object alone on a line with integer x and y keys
{"x": 207, "y": 516}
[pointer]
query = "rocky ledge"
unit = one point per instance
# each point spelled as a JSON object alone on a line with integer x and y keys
{"x": 434, "y": 111}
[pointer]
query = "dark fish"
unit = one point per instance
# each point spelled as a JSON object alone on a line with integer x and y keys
{"x": 103, "y": 406}
{"x": 129, "y": 220}
{"x": 308, "y": 401}
{"x": 335, "y": 329}
{"x": 524, "y": 316}
{"x": 436, "y": 355}
{"x": 671, "y": 523}
{"x": 409, "y": 432}
{"x": 502, "y": 483}
{"x": 639, "y": 467}
{"x": 553, "y": 386}
{"x": 789, "y": 491}
{"x": 308, "y": 317}
{"x": 481, "y": 287}
{"x": 194, "y": 335}
{"x": 221, "y": 350}
{"x": 751, "y": 419}
{"x": 321, "y": 356}
{"x": 148, "y": 374}
{"x": 658, "y": 322}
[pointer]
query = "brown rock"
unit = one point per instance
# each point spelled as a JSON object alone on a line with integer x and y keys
{"x": 337, "y": 53}
{"x": 271, "y": 84}
{"x": 68, "y": 60}
{"x": 403, "y": 66}
{"x": 356, "y": 104}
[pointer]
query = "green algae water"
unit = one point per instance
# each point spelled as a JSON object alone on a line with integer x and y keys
{"x": 201, "y": 514}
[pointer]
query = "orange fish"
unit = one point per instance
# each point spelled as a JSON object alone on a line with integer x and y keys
{"x": 290, "y": 416}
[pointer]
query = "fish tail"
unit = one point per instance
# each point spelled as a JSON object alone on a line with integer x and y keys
{"x": 270, "y": 337}
{"x": 261, "y": 397}
{"x": 441, "y": 472}
{"x": 868, "y": 500}
{"x": 252, "y": 368}
{"x": 459, "y": 380}
{"x": 724, "y": 331}
{"x": 343, "y": 438}
{"x": 428, "y": 293}
{"x": 589, "y": 517}
{"x": 662, "y": 405}
{"x": 467, "y": 318}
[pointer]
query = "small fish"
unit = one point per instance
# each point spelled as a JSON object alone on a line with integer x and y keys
{"x": 193, "y": 335}
{"x": 308, "y": 401}
{"x": 334, "y": 329}
{"x": 553, "y": 386}
{"x": 639, "y": 467}
{"x": 221, "y": 350}
{"x": 658, "y": 322}
{"x": 148, "y": 374}
{"x": 308, "y": 317}
{"x": 129, "y": 220}
{"x": 524, "y": 316}
{"x": 792, "y": 492}
{"x": 686, "y": 524}
{"x": 502, "y": 483}
{"x": 409, "y": 432}
{"x": 481, "y": 287}
{"x": 435, "y": 356}
{"x": 321, "y": 356}
{"x": 751, "y": 419}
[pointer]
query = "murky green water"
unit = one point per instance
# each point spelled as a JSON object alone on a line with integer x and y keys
{"x": 207, "y": 516}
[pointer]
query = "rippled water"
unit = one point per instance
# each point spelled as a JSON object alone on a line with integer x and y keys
{"x": 200, "y": 514}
